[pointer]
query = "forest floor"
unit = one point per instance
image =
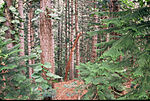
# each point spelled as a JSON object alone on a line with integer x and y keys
{"x": 68, "y": 90}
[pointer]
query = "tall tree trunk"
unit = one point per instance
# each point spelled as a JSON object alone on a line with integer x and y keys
{"x": 8, "y": 23}
{"x": 61, "y": 41}
{"x": 66, "y": 50}
{"x": 20, "y": 8}
{"x": 114, "y": 7}
{"x": 70, "y": 57}
{"x": 8, "y": 33}
{"x": 21, "y": 36}
{"x": 30, "y": 38}
{"x": 76, "y": 30}
{"x": 69, "y": 35}
{"x": 82, "y": 44}
{"x": 46, "y": 36}
{"x": 72, "y": 39}
{"x": 94, "y": 39}
{"x": 58, "y": 41}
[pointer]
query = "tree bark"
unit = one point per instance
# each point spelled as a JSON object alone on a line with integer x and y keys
{"x": 61, "y": 42}
{"x": 20, "y": 9}
{"x": 94, "y": 40}
{"x": 70, "y": 57}
{"x": 30, "y": 38}
{"x": 58, "y": 42}
{"x": 8, "y": 23}
{"x": 66, "y": 50}
{"x": 72, "y": 38}
{"x": 76, "y": 30}
{"x": 46, "y": 36}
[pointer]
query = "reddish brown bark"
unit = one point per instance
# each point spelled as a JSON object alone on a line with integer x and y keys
{"x": 46, "y": 36}
{"x": 70, "y": 57}
{"x": 20, "y": 9}
{"x": 114, "y": 7}
{"x": 8, "y": 23}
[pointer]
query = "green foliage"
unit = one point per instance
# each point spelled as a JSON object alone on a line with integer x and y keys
{"x": 46, "y": 87}
{"x": 14, "y": 80}
{"x": 15, "y": 83}
{"x": 96, "y": 79}
{"x": 132, "y": 44}
{"x": 2, "y": 19}
{"x": 18, "y": 86}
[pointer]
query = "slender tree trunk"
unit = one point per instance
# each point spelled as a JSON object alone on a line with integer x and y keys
{"x": 46, "y": 36}
{"x": 76, "y": 30}
{"x": 111, "y": 5}
{"x": 66, "y": 53}
{"x": 8, "y": 34}
{"x": 68, "y": 30}
{"x": 20, "y": 8}
{"x": 82, "y": 44}
{"x": 114, "y": 7}
{"x": 21, "y": 36}
{"x": 58, "y": 41}
{"x": 30, "y": 39}
{"x": 94, "y": 40}
{"x": 8, "y": 23}
{"x": 61, "y": 41}
{"x": 87, "y": 43}
{"x": 70, "y": 57}
{"x": 72, "y": 39}
{"x": 94, "y": 53}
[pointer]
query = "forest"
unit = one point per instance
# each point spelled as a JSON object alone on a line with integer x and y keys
{"x": 74, "y": 49}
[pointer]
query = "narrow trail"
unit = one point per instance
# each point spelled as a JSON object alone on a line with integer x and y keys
{"x": 67, "y": 91}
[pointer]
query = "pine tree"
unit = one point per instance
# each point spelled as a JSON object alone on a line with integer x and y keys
{"x": 30, "y": 38}
{"x": 72, "y": 39}
{"x": 46, "y": 36}
{"x": 76, "y": 31}
{"x": 8, "y": 22}
{"x": 20, "y": 9}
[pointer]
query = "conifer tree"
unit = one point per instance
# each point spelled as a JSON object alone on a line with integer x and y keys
{"x": 46, "y": 35}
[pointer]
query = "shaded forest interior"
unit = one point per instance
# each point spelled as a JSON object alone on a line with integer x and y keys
{"x": 74, "y": 49}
